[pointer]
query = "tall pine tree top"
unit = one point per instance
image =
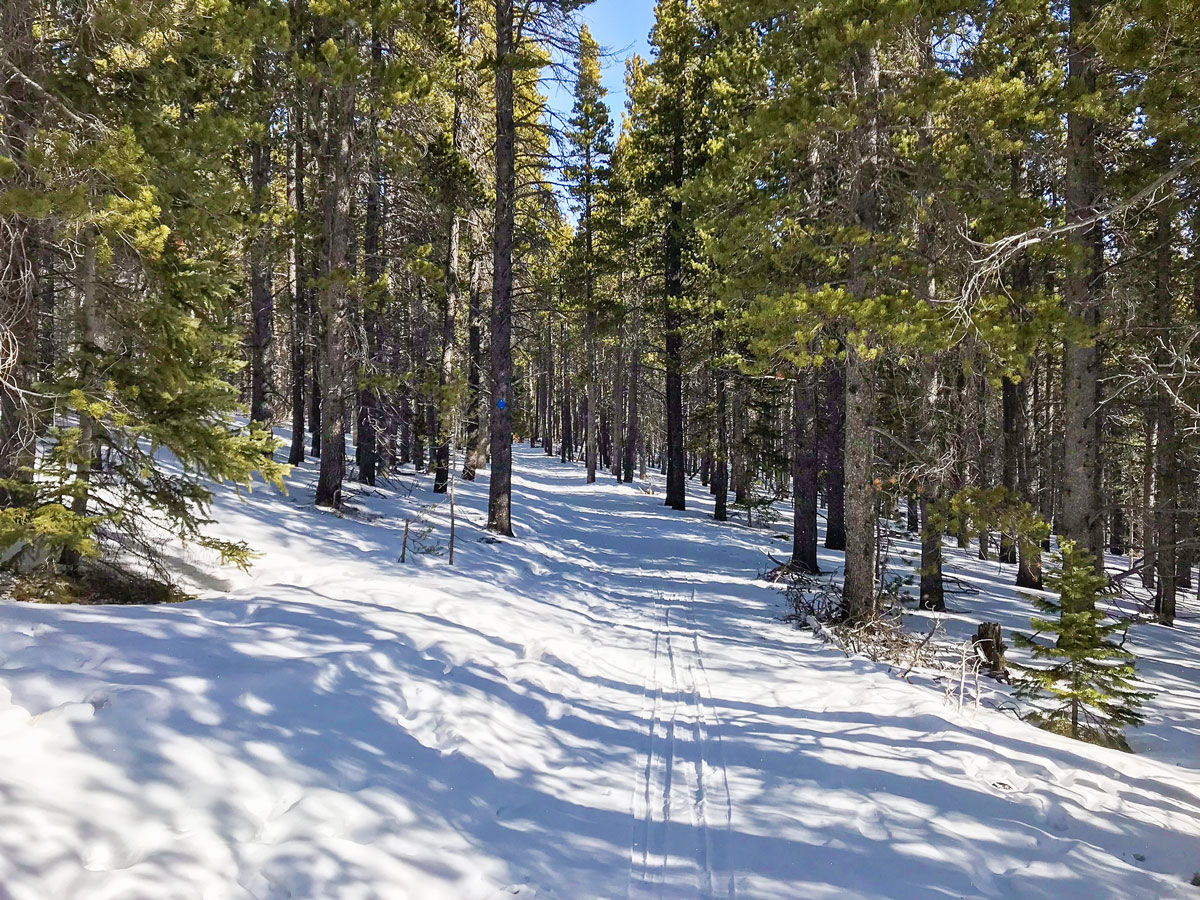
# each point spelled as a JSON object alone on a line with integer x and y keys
{"x": 590, "y": 131}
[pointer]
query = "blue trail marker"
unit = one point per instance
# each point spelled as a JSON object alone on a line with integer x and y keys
{"x": 500, "y": 403}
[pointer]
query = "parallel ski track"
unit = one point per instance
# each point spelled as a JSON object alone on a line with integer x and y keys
{"x": 684, "y": 773}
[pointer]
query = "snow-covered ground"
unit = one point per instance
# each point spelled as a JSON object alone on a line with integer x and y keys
{"x": 606, "y": 706}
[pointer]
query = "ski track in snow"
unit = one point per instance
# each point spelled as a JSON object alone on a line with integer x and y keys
{"x": 605, "y": 707}
{"x": 680, "y": 774}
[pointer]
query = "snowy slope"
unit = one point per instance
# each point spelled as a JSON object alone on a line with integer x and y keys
{"x": 606, "y": 706}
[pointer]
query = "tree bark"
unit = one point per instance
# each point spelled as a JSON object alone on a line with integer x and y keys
{"x": 833, "y": 447}
{"x": 1082, "y": 519}
{"x": 590, "y": 445}
{"x": 333, "y": 298}
{"x": 804, "y": 477}
{"x": 450, "y": 298}
{"x": 1166, "y": 455}
{"x": 858, "y": 590}
{"x": 933, "y": 594}
{"x": 262, "y": 299}
{"x": 300, "y": 287}
{"x": 18, "y": 269}
{"x": 471, "y": 452}
{"x": 632, "y": 436}
{"x": 1010, "y": 454}
{"x": 720, "y": 462}
{"x": 500, "y": 483}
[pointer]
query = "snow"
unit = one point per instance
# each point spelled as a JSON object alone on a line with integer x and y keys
{"x": 606, "y": 706}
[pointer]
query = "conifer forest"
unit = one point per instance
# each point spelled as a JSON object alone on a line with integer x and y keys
{"x": 595, "y": 449}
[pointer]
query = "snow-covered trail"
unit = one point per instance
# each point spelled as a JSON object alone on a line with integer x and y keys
{"x": 606, "y": 706}
{"x": 685, "y": 773}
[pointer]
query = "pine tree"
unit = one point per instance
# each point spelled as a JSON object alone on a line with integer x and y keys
{"x": 134, "y": 184}
{"x": 589, "y": 148}
{"x": 1084, "y": 687}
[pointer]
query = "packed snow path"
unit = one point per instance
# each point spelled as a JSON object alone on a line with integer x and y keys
{"x": 681, "y": 778}
{"x": 606, "y": 706}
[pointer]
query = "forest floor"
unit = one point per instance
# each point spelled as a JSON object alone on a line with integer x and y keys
{"x": 608, "y": 705}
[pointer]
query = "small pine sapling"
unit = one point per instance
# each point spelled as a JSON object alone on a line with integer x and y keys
{"x": 758, "y": 505}
{"x": 1082, "y": 683}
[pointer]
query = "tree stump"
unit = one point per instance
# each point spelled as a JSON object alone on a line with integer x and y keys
{"x": 989, "y": 643}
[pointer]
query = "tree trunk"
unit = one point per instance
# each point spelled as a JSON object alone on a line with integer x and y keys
{"x": 858, "y": 590}
{"x": 932, "y": 591}
{"x": 548, "y": 412}
{"x": 18, "y": 271}
{"x": 1082, "y": 519}
{"x": 590, "y": 447}
{"x": 673, "y": 324}
{"x": 441, "y": 478}
{"x": 474, "y": 371}
{"x": 500, "y": 483}
{"x": 261, "y": 297}
{"x": 632, "y": 436}
{"x": 804, "y": 477}
{"x": 1010, "y": 455}
{"x": 300, "y": 288}
{"x": 1149, "y": 498}
{"x": 859, "y": 587}
{"x": 979, "y": 437}
{"x": 989, "y": 643}
{"x": 1166, "y": 455}
{"x": 568, "y": 435}
{"x": 367, "y": 443}
{"x": 833, "y": 447}
{"x": 314, "y": 390}
{"x": 333, "y": 299}
{"x": 720, "y": 464}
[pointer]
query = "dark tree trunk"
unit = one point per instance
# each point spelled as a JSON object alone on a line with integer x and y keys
{"x": 300, "y": 290}
{"x": 989, "y": 643}
{"x": 932, "y": 591}
{"x": 548, "y": 410}
{"x": 673, "y": 325}
{"x": 804, "y": 477}
{"x": 500, "y": 483}
{"x": 1166, "y": 455}
{"x": 632, "y": 435}
{"x": 262, "y": 299}
{"x": 568, "y": 434}
{"x": 833, "y": 445}
{"x": 474, "y": 372}
{"x": 617, "y": 409}
{"x": 590, "y": 435}
{"x": 1011, "y": 451}
{"x": 979, "y": 435}
{"x": 720, "y": 463}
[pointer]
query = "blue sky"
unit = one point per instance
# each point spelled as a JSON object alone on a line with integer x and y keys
{"x": 621, "y": 27}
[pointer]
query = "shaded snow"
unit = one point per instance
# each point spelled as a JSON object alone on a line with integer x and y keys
{"x": 607, "y": 706}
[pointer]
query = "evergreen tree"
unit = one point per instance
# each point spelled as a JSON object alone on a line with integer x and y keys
{"x": 589, "y": 147}
{"x": 132, "y": 183}
{"x": 1084, "y": 687}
